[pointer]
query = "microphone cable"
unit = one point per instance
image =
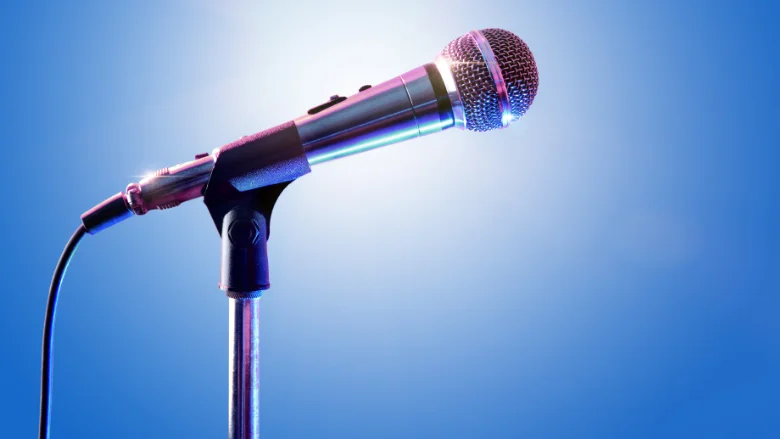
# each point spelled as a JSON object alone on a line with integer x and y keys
{"x": 48, "y": 331}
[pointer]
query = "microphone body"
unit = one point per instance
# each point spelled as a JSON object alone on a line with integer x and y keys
{"x": 481, "y": 81}
{"x": 410, "y": 105}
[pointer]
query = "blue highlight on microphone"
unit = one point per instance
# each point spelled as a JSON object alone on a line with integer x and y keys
{"x": 372, "y": 143}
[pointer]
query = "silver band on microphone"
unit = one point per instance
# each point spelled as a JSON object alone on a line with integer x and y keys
{"x": 495, "y": 73}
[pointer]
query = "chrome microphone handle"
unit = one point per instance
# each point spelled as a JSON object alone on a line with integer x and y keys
{"x": 414, "y": 104}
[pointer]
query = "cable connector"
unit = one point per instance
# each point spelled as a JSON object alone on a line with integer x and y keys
{"x": 165, "y": 188}
{"x": 106, "y": 214}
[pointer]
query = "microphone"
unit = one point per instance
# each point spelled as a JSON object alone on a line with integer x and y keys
{"x": 481, "y": 81}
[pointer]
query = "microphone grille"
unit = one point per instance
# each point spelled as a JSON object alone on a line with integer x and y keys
{"x": 477, "y": 87}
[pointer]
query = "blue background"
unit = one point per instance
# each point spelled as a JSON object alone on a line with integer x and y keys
{"x": 609, "y": 267}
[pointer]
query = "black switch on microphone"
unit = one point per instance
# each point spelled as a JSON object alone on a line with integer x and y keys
{"x": 335, "y": 99}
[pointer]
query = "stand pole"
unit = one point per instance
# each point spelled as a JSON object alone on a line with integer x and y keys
{"x": 244, "y": 383}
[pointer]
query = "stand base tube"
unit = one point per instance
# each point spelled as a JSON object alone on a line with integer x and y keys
{"x": 244, "y": 383}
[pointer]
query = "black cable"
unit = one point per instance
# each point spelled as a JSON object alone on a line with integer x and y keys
{"x": 48, "y": 331}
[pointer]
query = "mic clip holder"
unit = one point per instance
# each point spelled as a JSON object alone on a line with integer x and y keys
{"x": 247, "y": 179}
{"x": 244, "y": 224}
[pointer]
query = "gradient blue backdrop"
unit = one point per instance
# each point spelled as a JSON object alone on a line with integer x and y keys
{"x": 609, "y": 267}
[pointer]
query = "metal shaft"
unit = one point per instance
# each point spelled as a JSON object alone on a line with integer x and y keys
{"x": 405, "y": 107}
{"x": 244, "y": 385}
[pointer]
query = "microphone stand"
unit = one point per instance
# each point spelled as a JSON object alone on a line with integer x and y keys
{"x": 247, "y": 179}
{"x": 243, "y": 221}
